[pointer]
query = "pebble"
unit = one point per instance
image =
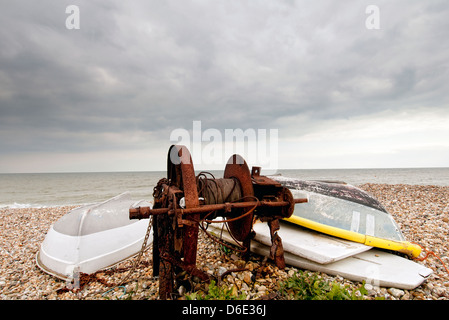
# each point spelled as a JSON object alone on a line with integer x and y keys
{"x": 221, "y": 270}
{"x": 421, "y": 212}
{"x": 397, "y": 293}
{"x": 247, "y": 278}
{"x": 261, "y": 288}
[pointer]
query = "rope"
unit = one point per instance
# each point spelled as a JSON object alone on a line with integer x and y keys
{"x": 239, "y": 248}
{"x": 236, "y": 218}
{"x": 124, "y": 291}
{"x": 217, "y": 191}
{"x": 428, "y": 252}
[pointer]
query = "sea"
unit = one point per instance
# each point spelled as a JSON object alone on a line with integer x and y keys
{"x": 39, "y": 190}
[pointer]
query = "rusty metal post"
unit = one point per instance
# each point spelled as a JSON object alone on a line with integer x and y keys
{"x": 166, "y": 272}
{"x": 165, "y": 249}
{"x": 191, "y": 201}
{"x": 277, "y": 250}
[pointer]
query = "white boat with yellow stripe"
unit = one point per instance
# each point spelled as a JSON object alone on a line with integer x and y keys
{"x": 347, "y": 212}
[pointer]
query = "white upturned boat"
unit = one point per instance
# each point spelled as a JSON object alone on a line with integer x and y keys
{"x": 335, "y": 232}
{"x": 92, "y": 237}
{"x": 334, "y": 256}
{"x": 347, "y": 212}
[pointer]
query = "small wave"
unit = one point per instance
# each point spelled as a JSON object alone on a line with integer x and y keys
{"x": 16, "y": 205}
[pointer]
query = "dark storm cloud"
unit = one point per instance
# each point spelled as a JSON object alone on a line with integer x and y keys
{"x": 152, "y": 66}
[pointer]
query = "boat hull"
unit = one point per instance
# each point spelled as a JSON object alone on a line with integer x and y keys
{"x": 59, "y": 253}
{"x": 373, "y": 266}
{"x": 91, "y": 238}
{"x": 344, "y": 211}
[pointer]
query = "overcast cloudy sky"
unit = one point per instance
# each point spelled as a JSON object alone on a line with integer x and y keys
{"x": 107, "y": 96}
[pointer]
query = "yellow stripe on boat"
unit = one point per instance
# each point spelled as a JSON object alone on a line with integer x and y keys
{"x": 324, "y": 228}
{"x": 400, "y": 246}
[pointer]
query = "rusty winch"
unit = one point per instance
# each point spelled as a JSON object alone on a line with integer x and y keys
{"x": 183, "y": 203}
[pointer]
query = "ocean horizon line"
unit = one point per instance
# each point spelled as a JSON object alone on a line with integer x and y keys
{"x": 199, "y": 170}
{"x": 48, "y": 189}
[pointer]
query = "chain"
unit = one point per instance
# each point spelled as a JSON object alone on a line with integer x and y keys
{"x": 158, "y": 196}
{"x": 139, "y": 255}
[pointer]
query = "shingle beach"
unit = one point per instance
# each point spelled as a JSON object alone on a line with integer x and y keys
{"x": 422, "y": 213}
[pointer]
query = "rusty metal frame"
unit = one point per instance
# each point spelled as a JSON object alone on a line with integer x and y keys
{"x": 175, "y": 229}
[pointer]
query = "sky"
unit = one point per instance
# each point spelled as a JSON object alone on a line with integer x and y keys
{"x": 322, "y": 84}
